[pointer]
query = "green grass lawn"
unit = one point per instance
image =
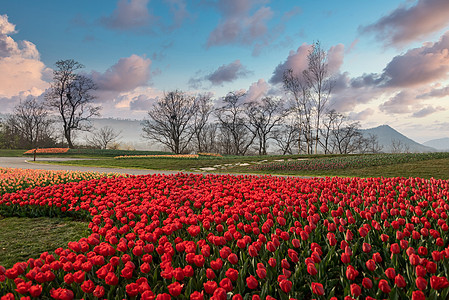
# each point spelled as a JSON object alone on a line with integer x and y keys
{"x": 436, "y": 168}
{"x": 11, "y": 152}
{"x": 23, "y": 238}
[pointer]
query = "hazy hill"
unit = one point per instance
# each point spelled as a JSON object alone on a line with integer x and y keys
{"x": 386, "y": 136}
{"x": 439, "y": 144}
{"x": 130, "y": 132}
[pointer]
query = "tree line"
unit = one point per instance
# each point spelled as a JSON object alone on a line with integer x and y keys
{"x": 300, "y": 122}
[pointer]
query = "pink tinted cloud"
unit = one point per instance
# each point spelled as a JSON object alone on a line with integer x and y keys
{"x": 257, "y": 90}
{"x": 419, "y": 66}
{"x": 408, "y": 24}
{"x": 238, "y": 25}
{"x": 426, "y": 111}
{"x": 361, "y": 115}
{"x": 127, "y": 74}
{"x": 129, "y": 15}
{"x": 400, "y": 103}
{"x": 335, "y": 58}
{"x": 141, "y": 103}
{"x": 435, "y": 93}
{"x": 296, "y": 60}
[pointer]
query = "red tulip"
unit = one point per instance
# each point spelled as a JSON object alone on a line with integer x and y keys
{"x": 421, "y": 283}
{"x": 252, "y": 282}
{"x": 311, "y": 269}
{"x": 418, "y": 295}
{"x": 438, "y": 283}
{"x": 351, "y": 273}
{"x": 395, "y": 249}
{"x": 390, "y": 273}
{"x": 317, "y": 289}
{"x": 232, "y": 274}
{"x": 400, "y": 281}
{"x": 98, "y": 291}
{"x": 210, "y": 286}
{"x": 355, "y": 290}
{"x": 226, "y": 284}
{"x": 286, "y": 286}
{"x": 233, "y": 259}
{"x": 370, "y": 265}
{"x": 175, "y": 289}
{"x": 367, "y": 283}
{"x": 345, "y": 258}
{"x": 88, "y": 286}
{"x": 366, "y": 248}
{"x": 384, "y": 287}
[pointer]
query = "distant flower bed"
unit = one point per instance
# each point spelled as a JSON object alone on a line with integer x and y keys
{"x": 47, "y": 151}
{"x": 177, "y": 156}
{"x": 12, "y": 180}
{"x": 209, "y": 154}
{"x": 346, "y": 162}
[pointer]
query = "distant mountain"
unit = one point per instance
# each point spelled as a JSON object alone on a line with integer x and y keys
{"x": 439, "y": 144}
{"x": 389, "y": 139}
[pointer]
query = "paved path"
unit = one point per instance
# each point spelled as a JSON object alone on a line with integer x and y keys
{"x": 22, "y": 163}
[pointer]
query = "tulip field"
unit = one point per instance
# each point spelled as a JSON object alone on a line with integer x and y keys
{"x": 189, "y": 236}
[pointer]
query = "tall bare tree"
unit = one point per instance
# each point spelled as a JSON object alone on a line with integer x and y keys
{"x": 320, "y": 83}
{"x": 30, "y": 124}
{"x": 204, "y": 108}
{"x": 234, "y": 126}
{"x": 310, "y": 90}
{"x": 103, "y": 137}
{"x": 70, "y": 95}
{"x": 297, "y": 87}
{"x": 170, "y": 121}
{"x": 264, "y": 116}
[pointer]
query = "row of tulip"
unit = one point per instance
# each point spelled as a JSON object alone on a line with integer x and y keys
{"x": 345, "y": 162}
{"x": 13, "y": 179}
{"x": 210, "y": 154}
{"x": 47, "y": 151}
{"x": 174, "y": 156}
{"x": 221, "y": 236}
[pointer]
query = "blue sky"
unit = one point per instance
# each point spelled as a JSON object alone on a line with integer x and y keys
{"x": 389, "y": 58}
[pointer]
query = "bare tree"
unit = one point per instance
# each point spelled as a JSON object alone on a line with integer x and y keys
{"x": 286, "y": 135}
{"x": 263, "y": 117}
{"x": 310, "y": 90}
{"x": 331, "y": 120}
{"x": 346, "y": 137}
{"x": 103, "y": 138}
{"x": 170, "y": 121}
{"x": 70, "y": 95}
{"x": 318, "y": 79}
{"x": 397, "y": 146}
{"x": 233, "y": 124}
{"x": 297, "y": 87}
{"x": 30, "y": 124}
{"x": 204, "y": 107}
{"x": 372, "y": 144}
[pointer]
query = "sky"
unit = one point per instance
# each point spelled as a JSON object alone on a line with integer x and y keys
{"x": 389, "y": 59}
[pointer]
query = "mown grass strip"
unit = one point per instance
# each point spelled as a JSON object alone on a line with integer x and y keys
{"x": 24, "y": 238}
